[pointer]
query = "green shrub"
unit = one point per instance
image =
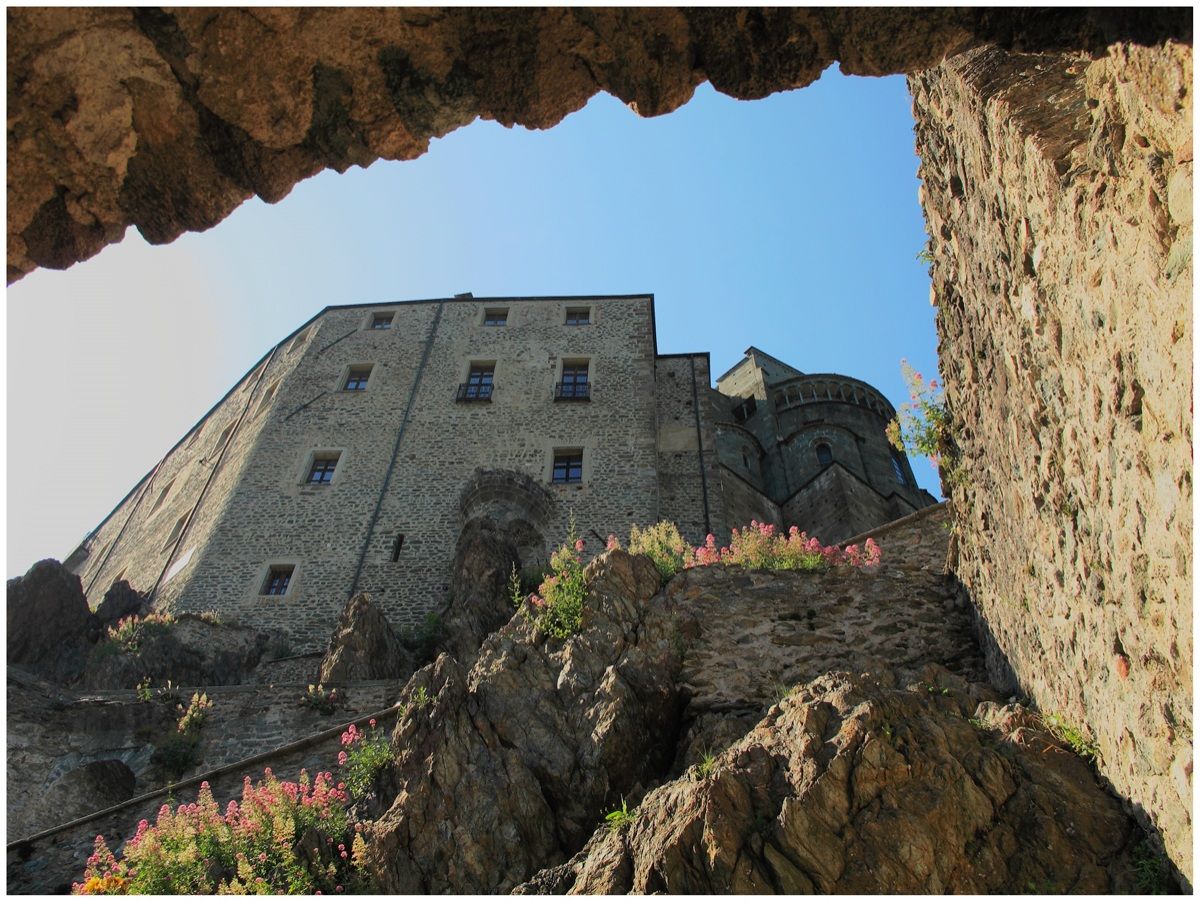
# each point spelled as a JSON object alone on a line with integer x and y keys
{"x": 557, "y": 606}
{"x": 362, "y": 757}
{"x": 130, "y": 632}
{"x": 1072, "y": 736}
{"x": 664, "y": 545}
{"x": 922, "y": 426}
{"x": 620, "y": 818}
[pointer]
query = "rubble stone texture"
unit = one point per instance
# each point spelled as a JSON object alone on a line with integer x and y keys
{"x": 168, "y": 120}
{"x": 1057, "y": 191}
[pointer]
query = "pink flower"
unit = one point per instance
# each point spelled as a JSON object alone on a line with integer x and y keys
{"x": 341, "y": 759}
{"x": 579, "y": 544}
{"x": 372, "y": 721}
{"x": 612, "y": 542}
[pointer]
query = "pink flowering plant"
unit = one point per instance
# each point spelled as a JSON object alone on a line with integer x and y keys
{"x": 761, "y": 546}
{"x": 283, "y": 837}
{"x": 130, "y": 632}
{"x": 922, "y": 425}
{"x": 321, "y": 699}
{"x": 363, "y": 756}
{"x": 557, "y": 605}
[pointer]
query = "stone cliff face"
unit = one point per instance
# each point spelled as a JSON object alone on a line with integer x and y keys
{"x": 1058, "y": 192}
{"x": 906, "y": 777}
{"x": 168, "y": 120}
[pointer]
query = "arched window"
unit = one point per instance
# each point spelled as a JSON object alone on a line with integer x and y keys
{"x": 824, "y": 454}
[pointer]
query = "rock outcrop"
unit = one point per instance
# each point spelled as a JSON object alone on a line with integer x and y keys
{"x": 168, "y": 120}
{"x": 49, "y": 622}
{"x": 911, "y": 778}
{"x": 190, "y": 651}
{"x": 483, "y": 560}
{"x": 363, "y": 646}
{"x": 121, "y": 600}
{"x": 500, "y": 771}
{"x": 854, "y": 785}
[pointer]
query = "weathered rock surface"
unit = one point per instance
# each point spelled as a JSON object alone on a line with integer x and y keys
{"x": 505, "y": 769}
{"x": 483, "y": 560}
{"x": 91, "y": 787}
{"x": 121, "y": 600}
{"x": 852, "y": 785}
{"x": 48, "y": 622}
{"x": 189, "y": 652}
{"x": 363, "y": 646}
{"x": 168, "y": 120}
{"x": 1056, "y": 189}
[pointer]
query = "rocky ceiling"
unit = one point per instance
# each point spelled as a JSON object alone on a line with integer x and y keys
{"x": 168, "y": 120}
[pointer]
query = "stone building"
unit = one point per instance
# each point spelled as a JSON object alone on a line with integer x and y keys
{"x": 353, "y": 453}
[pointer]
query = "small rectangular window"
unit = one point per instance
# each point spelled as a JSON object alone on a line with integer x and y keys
{"x": 321, "y": 471}
{"x": 574, "y": 385}
{"x": 382, "y": 320}
{"x": 478, "y": 386}
{"x": 498, "y": 317}
{"x": 579, "y": 316}
{"x": 396, "y": 547}
{"x": 568, "y": 467}
{"x": 357, "y": 378}
{"x": 279, "y": 577}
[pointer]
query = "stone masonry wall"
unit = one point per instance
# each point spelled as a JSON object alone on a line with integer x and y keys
{"x": 273, "y": 517}
{"x": 132, "y": 543}
{"x": 681, "y": 383}
{"x": 835, "y": 505}
{"x": 1058, "y": 194}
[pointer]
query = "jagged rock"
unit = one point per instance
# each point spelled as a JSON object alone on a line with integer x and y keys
{"x": 121, "y": 600}
{"x": 169, "y": 119}
{"x": 191, "y": 651}
{"x": 48, "y": 621}
{"x": 363, "y": 646}
{"x": 483, "y": 560}
{"x": 852, "y": 786}
{"x": 505, "y": 768}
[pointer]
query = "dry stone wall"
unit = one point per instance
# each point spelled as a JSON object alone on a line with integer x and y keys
{"x": 1058, "y": 195}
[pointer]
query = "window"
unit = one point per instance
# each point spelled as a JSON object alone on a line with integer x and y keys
{"x": 497, "y": 317}
{"x": 175, "y": 531}
{"x": 574, "y": 385}
{"x": 357, "y": 378}
{"x": 568, "y": 467}
{"x": 579, "y": 316}
{"x": 162, "y": 496}
{"x": 824, "y": 454}
{"x": 382, "y": 320}
{"x": 396, "y": 546}
{"x": 742, "y": 412}
{"x": 478, "y": 386}
{"x": 321, "y": 470}
{"x": 898, "y": 469}
{"x": 279, "y": 577}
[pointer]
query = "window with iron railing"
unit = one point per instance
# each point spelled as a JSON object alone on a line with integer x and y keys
{"x": 574, "y": 385}
{"x": 568, "y": 467}
{"x": 478, "y": 386}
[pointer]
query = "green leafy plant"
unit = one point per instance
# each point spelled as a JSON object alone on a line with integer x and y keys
{"x": 180, "y": 750}
{"x": 780, "y": 691}
{"x": 1151, "y": 873}
{"x": 707, "y": 762}
{"x": 143, "y": 692}
{"x": 620, "y": 818}
{"x": 317, "y": 697}
{"x": 1072, "y": 736}
{"x": 130, "y": 632}
{"x": 362, "y": 757}
{"x": 515, "y": 595}
{"x": 922, "y": 425}
{"x": 421, "y": 698}
{"x": 663, "y": 544}
{"x": 557, "y": 606}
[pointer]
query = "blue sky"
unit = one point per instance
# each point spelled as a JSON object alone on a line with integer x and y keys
{"x": 789, "y": 223}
